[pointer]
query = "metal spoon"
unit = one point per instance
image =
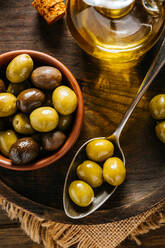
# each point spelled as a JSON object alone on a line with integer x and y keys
{"x": 105, "y": 191}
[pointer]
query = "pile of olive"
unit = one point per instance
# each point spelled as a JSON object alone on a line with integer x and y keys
{"x": 157, "y": 110}
{"x": 92, "y": 175}
{"x": 36, "y": 110}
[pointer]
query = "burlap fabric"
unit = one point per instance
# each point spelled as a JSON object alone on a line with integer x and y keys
{"x": 110, "y": 235}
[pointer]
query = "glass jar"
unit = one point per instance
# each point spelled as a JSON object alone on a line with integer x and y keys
{"x": 117, "y": 30}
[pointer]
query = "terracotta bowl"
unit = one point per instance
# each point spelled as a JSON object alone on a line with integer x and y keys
{"x": 45, "y": 59}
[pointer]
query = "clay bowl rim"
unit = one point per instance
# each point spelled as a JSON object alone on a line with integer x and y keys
{"x": 48, "y": 60}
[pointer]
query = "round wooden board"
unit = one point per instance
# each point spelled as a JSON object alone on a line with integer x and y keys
{"x": 107, "y": 91}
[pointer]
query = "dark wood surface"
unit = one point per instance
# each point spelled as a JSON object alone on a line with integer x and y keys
{"x": 108, "y": 91}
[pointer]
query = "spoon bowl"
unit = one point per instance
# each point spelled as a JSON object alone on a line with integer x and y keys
{"x": 101, "y": 194}
{"x": 105, "y": 191}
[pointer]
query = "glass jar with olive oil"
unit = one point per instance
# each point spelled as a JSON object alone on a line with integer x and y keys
{"x": 117, "y": 30}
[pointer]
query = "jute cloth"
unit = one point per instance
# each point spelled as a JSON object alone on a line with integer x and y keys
{"x": 110, "y": 235}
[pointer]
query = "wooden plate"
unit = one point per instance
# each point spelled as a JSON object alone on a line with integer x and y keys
{"x": 107, "y": 91}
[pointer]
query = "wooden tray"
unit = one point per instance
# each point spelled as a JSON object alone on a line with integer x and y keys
{"x": 107, "y": 94}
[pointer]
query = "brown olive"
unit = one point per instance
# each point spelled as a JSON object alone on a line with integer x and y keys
{"x": 53, "y": 141}
{"x": 65, "y": 122}
{"x": 46, "y": 77}
{"x": 23, "y": 151}
{"x": 30, "y": 99}
{"x": 15, "y": 88}
{"x": 2, "y": 86}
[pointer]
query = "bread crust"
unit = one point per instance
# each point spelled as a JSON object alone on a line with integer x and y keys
{"x": 50, "y": 10}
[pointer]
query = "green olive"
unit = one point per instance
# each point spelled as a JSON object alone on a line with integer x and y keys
{"x": 157, "y": 107}
{"x": 64, "y": 100}
{"x": 99, "y": 150}
{"x": 114, "y": 171}
{"x": 160, "y": 131}
{"x": 64, "y": 122}
{"x": 81, "y": 193}
{"x": 7, "y": 104}
{"x": 22, "y": 124}
{"x": 19, "y": 68}
{"x": 7, "y": 139}
{"x": 91, "y": 173}
{"x": 44, "y": 119}
{"x": 15, "y": 88}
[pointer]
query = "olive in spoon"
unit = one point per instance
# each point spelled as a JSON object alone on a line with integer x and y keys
{"x": 105, "y": 192}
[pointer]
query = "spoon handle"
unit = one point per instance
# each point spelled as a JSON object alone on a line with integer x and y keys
{"x": 154, "y": 69}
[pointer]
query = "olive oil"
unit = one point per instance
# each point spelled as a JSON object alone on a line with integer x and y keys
{"x": 119, "y": 37}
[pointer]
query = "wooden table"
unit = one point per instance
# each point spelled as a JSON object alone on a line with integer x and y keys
{"x": 22, "y": 28}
